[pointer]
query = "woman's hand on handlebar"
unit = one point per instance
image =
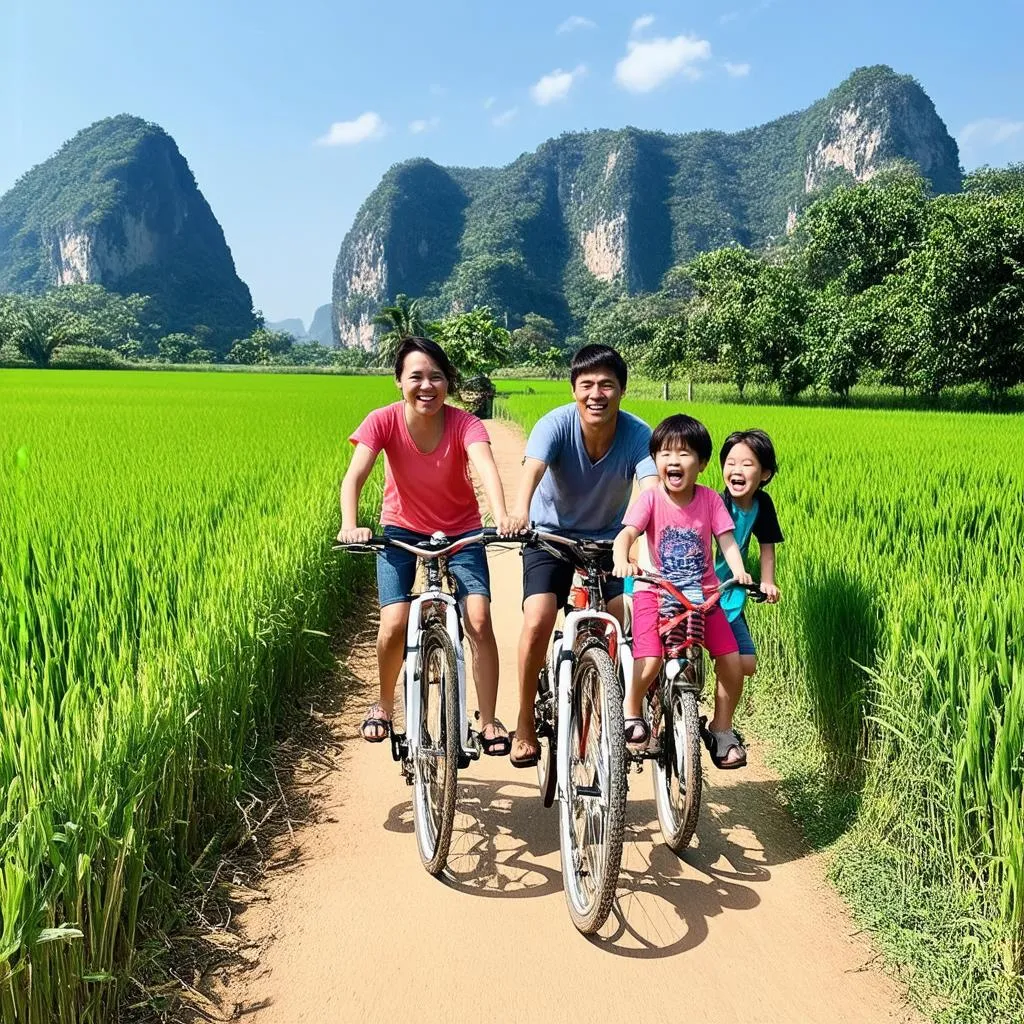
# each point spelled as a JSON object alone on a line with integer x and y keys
{"x": 511, "y": 525}
{"x": 358, "y": 535}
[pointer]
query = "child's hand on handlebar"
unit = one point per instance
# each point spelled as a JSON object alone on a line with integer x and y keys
{"x": 360, "y": 535}
{"x": 771, "y": 593}
{"x": 626, "y": 568}
{"x": 744, "y": 579}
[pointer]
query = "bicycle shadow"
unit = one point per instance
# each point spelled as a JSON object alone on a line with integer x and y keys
{"x": 501, "y": 834}
{"x": 664, "y": 903}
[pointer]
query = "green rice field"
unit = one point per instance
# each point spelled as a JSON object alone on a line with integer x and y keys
{"x": 166, "y": 581}
{"x": 891, "y": 679}
{"x": 166, "y": 585}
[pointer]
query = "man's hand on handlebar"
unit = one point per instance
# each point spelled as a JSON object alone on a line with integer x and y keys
{"x": 358, "y": 535}
{"x": 511, "y": 526}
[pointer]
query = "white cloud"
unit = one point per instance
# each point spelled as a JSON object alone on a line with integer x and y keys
{"x": 555, "y": 86}
{"x": 990, "y": 131}
{"x": 644, "y": 21}
{"x": 349, "y": 133}
{"x": 424, "y": 124}
{"x": 489, "y": 102}
{"x": 574, "y": 22}
{"x": 504, "y": 117}
{"x": 736, "y": 70}
{"x": 648, "y": 64}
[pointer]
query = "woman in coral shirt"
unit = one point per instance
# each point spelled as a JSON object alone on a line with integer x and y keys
{"x": 428, "y": 447}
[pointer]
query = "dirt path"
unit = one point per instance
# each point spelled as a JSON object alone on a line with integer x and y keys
{"x": 743, "y": 929}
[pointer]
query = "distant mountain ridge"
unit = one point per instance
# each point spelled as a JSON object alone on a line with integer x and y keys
{"x": 117, "y": 205}
{"x": 319, "y": 326}
{"x": 615, "y": 209}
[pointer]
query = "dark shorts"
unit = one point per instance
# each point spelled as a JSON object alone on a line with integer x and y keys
{"x": 396, "y": 569}
{"x": 543, "y": 573}
{"x": 744, "y": 640}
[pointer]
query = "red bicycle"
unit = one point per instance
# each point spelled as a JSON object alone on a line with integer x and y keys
{"x": 671, "y": 710}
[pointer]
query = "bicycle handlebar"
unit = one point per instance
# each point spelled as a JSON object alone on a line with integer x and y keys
{"x": 437, "y": 546}
{"x": 711, "y": 601}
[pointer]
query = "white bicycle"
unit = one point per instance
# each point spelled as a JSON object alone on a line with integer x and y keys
{"x": 438, "y": 739}
{"x": 580, "y": 729}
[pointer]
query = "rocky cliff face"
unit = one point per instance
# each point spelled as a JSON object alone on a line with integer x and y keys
{"x": 614, "y": 210}
{"x": 118, "y": 206}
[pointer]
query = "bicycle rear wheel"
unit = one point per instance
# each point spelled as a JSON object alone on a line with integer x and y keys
{"x": 592, "y": 815}
{"x": 677, "y": 773}
{"x": 436, "y": 763}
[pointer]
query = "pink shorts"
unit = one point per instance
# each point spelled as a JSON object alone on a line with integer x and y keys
{"x": 718, "y": 634}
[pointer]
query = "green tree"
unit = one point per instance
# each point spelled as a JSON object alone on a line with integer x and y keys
{"x": 858, "y": 235}
{"x": 176, "y": 348}
{"x": 38, "y": 329}
{"x": 474, "y": 341}
{"x": 776, "y": 343}
{"x": 403, "y": 319}
{"x": 261, "y": 348}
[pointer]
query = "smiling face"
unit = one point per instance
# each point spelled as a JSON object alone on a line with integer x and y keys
{"x": 598, "y": 395}
{"x": 424, "y": 385}
{"x": 743, "y": 472}
{"x": 678, "y": 467}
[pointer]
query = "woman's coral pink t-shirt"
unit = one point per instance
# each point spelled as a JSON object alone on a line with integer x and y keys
{"x": 422, "y": 492}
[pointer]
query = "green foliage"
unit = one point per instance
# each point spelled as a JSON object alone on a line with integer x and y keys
{"x": 164, "y": 591}
{"x": 473, "y": 341}
{"x": 403, "y": 319}
{"x": 261, "y": 348}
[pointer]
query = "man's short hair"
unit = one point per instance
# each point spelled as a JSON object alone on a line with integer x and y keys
{"x": 598, "y": 357}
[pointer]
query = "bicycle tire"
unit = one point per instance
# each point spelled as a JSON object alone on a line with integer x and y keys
{"x": 677, "y": 776}
{"x": 436, "y": 763}
{"x": 590, "y": 871}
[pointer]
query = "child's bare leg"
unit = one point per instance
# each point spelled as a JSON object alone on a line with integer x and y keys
{"x": 645, "y": 671}
{"x": 729, "y": 689}
{"x": 749, "y": 665}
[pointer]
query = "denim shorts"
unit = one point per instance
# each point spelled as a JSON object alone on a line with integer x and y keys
{"x": 744, "y": 640}
{"x": 396, "y": 568}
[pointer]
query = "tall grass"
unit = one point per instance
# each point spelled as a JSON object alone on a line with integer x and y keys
{"x": 892, "y": 675}
{"x": 165, "y": 582}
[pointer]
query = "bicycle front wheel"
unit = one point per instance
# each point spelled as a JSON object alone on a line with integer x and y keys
{"x": 436, "y": 762}
{"x": 677, "y": 772}
{"x": 592, "y": 815}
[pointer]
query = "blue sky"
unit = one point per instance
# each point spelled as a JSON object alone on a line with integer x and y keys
{"x": 289, "y": 113}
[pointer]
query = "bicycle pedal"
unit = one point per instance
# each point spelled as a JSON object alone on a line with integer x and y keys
{"x": 399, "y": 746}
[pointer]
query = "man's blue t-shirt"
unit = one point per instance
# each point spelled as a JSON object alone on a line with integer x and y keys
{"x": 579, "y": 497}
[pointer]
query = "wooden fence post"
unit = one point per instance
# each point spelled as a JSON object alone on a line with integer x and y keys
{"x": 664, "y": 391}
{"x": 689, "y": 389}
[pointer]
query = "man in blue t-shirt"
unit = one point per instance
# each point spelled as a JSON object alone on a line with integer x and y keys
{"x": 577, "y": 480}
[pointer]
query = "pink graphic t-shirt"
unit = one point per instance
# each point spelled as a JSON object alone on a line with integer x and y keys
{"x": 679, "y": 539}
{"x": 425, "y": 492}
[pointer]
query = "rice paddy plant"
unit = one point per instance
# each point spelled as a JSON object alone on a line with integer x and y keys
{"x": 166, "y": 582}
{"x": 891, "y": 677}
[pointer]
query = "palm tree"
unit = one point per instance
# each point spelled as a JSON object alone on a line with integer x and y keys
{"x": 402, "y": 320}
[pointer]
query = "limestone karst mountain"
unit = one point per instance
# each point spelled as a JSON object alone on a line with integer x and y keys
{"x": 117, "y": 205}
{"x": 615, "y": 209}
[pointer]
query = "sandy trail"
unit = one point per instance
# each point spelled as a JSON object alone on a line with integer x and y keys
{"x": 744, "y": 928}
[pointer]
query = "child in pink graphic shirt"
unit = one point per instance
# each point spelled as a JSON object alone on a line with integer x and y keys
{"x": 679, "y": 518}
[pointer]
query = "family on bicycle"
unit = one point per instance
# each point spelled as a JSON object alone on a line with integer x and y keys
{"x": 577, "y": 478}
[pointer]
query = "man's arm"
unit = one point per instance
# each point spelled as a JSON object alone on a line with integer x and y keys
{"x": 529, "y": 480}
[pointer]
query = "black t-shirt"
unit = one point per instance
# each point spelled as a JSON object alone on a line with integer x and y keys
{"x": 766, "y": 524}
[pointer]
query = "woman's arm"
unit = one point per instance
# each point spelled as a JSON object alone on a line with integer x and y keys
{"x": 482, "y": 459}
{"x": 733, "y": 556}
{"x": 355, "y": 477}
{"x": 771, "y": 592}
